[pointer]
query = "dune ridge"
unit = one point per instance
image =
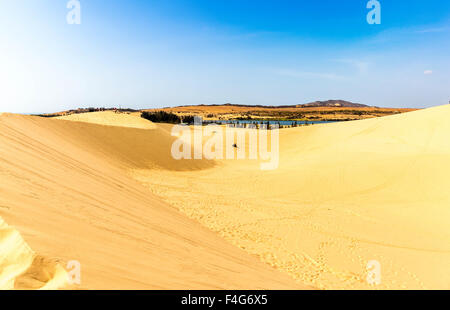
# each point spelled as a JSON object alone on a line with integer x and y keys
{"x": 343, "y": 195}
{"x": 111, "y": 118}
{"x": 64, "y": 187}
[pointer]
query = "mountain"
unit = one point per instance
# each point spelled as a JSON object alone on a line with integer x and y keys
{"x": 332, "y": 103}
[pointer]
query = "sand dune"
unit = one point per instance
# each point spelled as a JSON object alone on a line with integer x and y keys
{"x": 64, "y": 188}
{"x": 113, "y": 198}
{"x": 21, "y": 268}
{"x": 343, "y": 195}
{"x": 110, "y": 118}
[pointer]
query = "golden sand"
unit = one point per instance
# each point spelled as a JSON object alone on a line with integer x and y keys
{"x": 64, "y": 188}
{"x": 343, "y": 195}
{"x": 113, "y": 198}
{"x": 21, "y": 268}
{"x": 111, "y": 118}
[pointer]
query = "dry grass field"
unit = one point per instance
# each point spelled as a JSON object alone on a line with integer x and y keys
{"x": 227, "y": 112}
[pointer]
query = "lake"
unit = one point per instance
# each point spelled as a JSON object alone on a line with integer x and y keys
{"x": 281, "y": 123}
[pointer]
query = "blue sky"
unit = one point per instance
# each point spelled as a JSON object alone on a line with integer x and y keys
{"x": 143, "y": 54}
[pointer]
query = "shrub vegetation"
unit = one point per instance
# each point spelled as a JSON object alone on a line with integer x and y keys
{"x": 165, "y": 117}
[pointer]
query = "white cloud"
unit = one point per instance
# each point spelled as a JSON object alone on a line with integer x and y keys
{"x": 428, "y": 72}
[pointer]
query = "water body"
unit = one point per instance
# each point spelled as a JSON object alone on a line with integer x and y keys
{"x": 281, "y": 123}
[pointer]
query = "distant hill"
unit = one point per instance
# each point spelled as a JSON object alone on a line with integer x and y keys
{"x": 332, "y": 103}
{"x": 315, "y": 104}
{"x": 329, "y": 110}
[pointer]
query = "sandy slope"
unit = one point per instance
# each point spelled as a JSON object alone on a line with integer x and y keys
{"x": 110, "y": 118}
{"x": 64, "y": 189}
{"x": 344, "y": 194}
{"x": 21, "y": 268}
